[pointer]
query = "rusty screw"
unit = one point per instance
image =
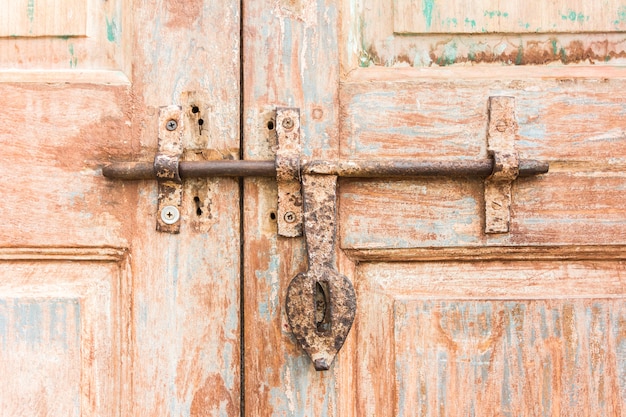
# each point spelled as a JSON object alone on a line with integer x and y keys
{"x": 171, "y": 125}
{"x": 290, "y": 217}
{"x": 288, "y": 123}
{"x": 501, "y": 126}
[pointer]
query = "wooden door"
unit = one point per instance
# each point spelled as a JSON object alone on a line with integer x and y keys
{"x": 100, "y": 314}
{"x": 450, "y": 321}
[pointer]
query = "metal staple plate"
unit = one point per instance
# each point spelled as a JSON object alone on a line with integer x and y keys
{"x": 501, "y": 145}
{"x": 170, "y": 148}
{"x": 288, "y": 172}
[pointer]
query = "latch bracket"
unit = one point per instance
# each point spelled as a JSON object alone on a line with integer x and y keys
{"x": 288, "y": 172}
{"x": 166, "y": 161}
{"x": 501, "y": 135}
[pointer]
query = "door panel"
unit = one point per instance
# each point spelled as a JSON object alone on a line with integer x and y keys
{"x": 100, "y": 314}
{"x": 450, "y": 320}
{"x": 491, "y": 337}
{"x": 61, "y": 331}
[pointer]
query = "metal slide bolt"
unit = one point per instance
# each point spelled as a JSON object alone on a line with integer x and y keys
{"x": 170, "y": 214}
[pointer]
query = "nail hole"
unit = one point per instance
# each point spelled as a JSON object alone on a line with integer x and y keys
{"x": 200, "y": 122}
{"x": 273, "y": 216}
{"x": 195, "y": 109}
{"x": 270, "y": 125}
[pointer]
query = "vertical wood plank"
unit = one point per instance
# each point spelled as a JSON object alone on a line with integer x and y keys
{"x": 284, "y": 44}
{"x": 186, "y": 295}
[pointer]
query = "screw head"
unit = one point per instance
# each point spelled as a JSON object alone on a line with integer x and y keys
{"x": 288, "y": 123}
{"x": 290, "y": 217}
{"x": 171, "y": 125}
{"x": 501, "y": 126}
{"x": 170, "y": 214}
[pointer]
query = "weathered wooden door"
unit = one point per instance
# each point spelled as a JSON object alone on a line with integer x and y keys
{"x": 100, "y": 314}
{"x": 450, "y": 321}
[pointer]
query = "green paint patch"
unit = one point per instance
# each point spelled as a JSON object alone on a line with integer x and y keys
{"x": 111, "y": 29}
{"x": 73, "y": 58}
{"x": 470, "y": 22}
{"x": 621, "y": 15}
{"x": 450, "y": 22}
{"x": 554, "y": 48}
{"x": 495, "y": 13}
{"x": 574, "y": 16}
{"x": 427, "y": 9}
{"x": 520, "y": 55}
{"x": 448, "y": 57}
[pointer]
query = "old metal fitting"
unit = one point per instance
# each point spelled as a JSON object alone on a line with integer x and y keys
{"x": 288, "y": 172}
{"x": 501, "y": 146}
{"x": 170, "y": 149}
{"x": 321, "y": 302}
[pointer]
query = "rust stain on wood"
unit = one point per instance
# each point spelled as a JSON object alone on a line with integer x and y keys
{"x": 183, "y": 13}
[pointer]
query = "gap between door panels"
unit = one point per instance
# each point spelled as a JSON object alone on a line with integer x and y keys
{"x": 242, "y": 350}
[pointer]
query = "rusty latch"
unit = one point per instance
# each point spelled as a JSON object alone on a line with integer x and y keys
{"x": 321, "y": 303}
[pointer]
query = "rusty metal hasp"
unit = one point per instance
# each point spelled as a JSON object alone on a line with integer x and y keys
{"x": 321, "y": 303}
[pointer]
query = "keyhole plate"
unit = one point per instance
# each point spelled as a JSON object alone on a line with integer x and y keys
{"x": 321, "y": 307}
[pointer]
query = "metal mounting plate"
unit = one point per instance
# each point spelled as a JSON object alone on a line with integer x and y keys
{"x": 501, "y": 145}
{"x": 170, "y": 149}
{"x": 288, "y": 172}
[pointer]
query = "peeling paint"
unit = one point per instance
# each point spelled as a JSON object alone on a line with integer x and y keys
{"x": 427, "y": 9}
{"x": 111, "y": 29}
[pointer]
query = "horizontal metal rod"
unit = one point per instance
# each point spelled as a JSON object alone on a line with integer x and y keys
{"x": 354, "y": 169}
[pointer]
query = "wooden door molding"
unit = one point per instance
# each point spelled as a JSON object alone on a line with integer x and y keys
{"x": 66, "y": 330}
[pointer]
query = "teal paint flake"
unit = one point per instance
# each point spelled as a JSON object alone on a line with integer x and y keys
{"x": 520, "y": 55}
{"x": 427, "y": 9}
{"x": 470, "y": 22}
{"x": 621, "y": 15}
{"x": 111, "y": 29}
{"x": 574, "y": 16}
{"x": 73, "y": 58}
{"x": 448, "y": 57}
{"x": 30, "y": 10}
{"x": 450, "y": 22}
{"x": 555, "y": 50}
{"x": 495, "y": 13}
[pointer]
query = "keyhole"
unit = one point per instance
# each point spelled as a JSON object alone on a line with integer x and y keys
{"x": 322, "y": 307}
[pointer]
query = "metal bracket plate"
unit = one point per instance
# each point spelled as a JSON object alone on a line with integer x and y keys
{"x": 288, "y": 172}
{"x": 170, "y": 149}
{"x": 501, "y": 146}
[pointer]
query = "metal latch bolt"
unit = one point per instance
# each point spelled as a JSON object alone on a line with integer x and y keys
{"x": 321, "y": 303}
